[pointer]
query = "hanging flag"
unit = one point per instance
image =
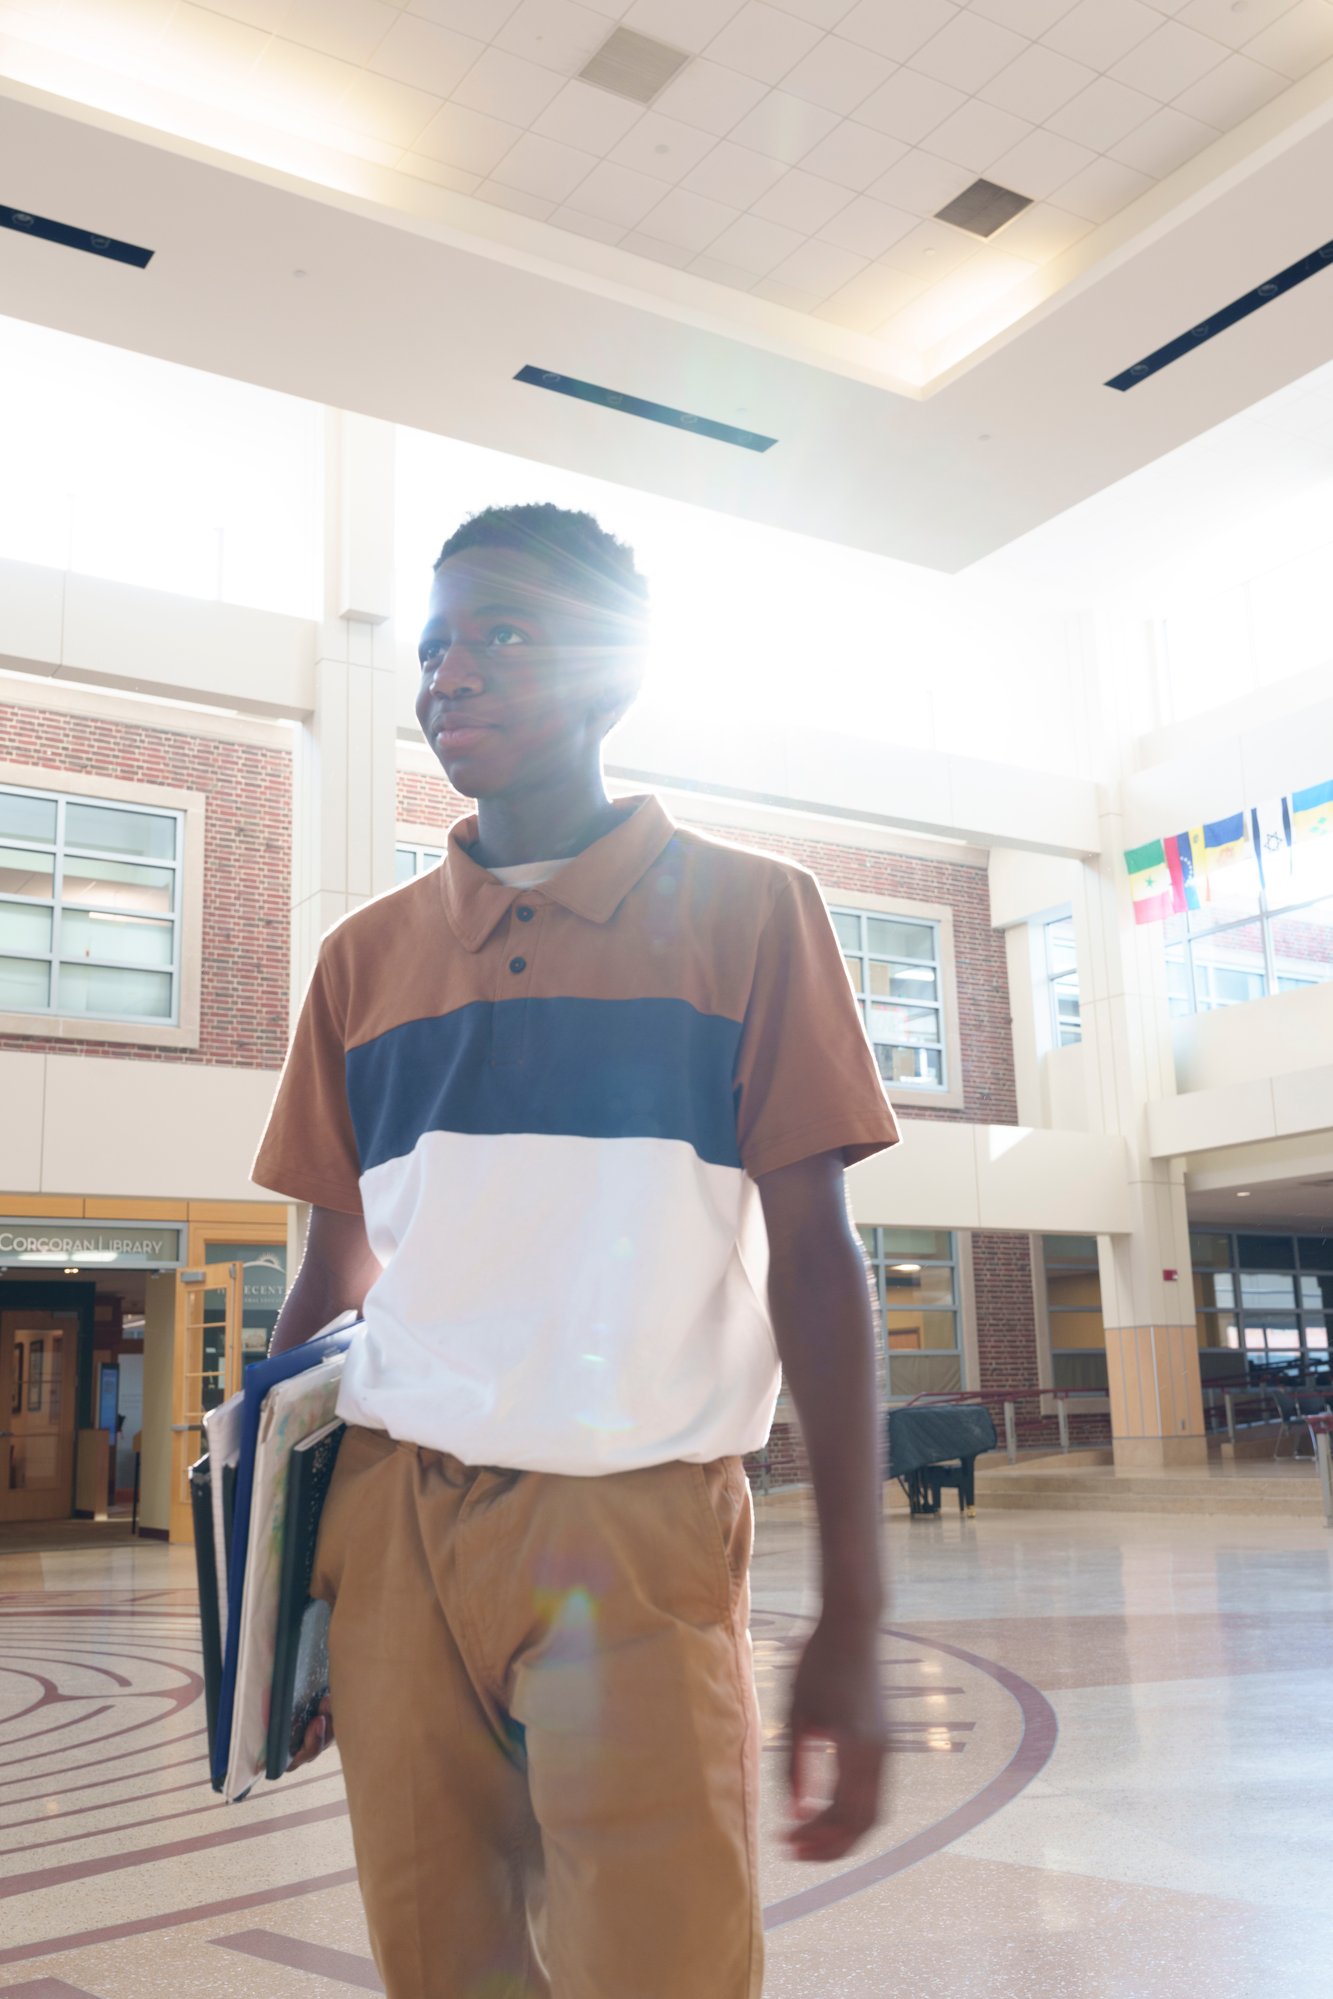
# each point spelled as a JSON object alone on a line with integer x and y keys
{"x": 1225, "y": 843}
{"x": 1154, "y": 891}
{"x": 1270, "y": 834}
{"x": 1189, "y": 885}
{"x": 1312, "y": 812}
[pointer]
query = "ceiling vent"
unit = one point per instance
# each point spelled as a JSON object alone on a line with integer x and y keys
{"x": 633, "y": 66}
{"x": 614, "y": 399}
{"x": 984, "y": 208}
{"x": 1227, "y": 315}
{"x": 24, "y": 223}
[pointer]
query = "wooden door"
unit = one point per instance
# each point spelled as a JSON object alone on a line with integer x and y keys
{"x": 206, "y": 1369}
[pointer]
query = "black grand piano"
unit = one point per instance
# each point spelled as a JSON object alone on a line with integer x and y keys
{"x": 936, "y": 1444}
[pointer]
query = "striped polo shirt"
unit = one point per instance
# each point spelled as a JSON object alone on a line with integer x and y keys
{"x": 551, "y": 1105}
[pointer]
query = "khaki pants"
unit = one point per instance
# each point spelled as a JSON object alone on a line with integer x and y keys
{"x": 543, "y": 1697}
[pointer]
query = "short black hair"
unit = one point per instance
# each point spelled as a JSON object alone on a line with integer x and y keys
{"x": 602, "y": 567}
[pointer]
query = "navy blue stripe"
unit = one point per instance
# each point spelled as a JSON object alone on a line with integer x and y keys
{"x": 576, "y": 1068}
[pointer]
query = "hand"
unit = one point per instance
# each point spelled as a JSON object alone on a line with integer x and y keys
{"x": 836, "y": 1698}
{"x": 318, "y": 1736}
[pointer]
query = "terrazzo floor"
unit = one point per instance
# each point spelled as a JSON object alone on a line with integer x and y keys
{"x": 1111, "y": 1777}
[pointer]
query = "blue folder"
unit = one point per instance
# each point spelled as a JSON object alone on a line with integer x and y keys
{"x": 259, "y": 1378}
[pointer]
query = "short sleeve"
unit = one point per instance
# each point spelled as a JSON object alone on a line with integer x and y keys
{"x": 309, "y": 1150}
{"x": 806, "y": 1080}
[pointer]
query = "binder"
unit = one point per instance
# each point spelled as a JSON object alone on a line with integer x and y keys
{"x": 201, "y": 1512}
{"x": 260, "y": 1379}
{"x": 301, "y": 1650}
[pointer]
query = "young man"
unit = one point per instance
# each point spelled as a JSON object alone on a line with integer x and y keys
{"x": 546, "y": 1103}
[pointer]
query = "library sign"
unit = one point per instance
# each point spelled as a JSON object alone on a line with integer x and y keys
{"x": 69, "y": 1245}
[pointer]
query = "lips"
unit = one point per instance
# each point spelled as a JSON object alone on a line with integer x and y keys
{"x": 459, "y": 735}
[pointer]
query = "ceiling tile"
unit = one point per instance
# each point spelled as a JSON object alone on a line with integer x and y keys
{"x": 505, "y": 86}
{"x": 736, "y": 174}
{"x": 1102, "y": 190}
{"x": 384, "y": 109}
{"x": 1169, "y": 61}
{"x": 1037, "y": 83}
{"x": 1232, "y": 24}
{"x": 791, "y": 296}
{"x": 298, "y": 82}
{"x": 466, "y": 139}
{"x": 921, "y": 184}
{"x": 853, "y": 155}
{"x": 1163, "y": 143}
{"x": 976, "y": 135}
{"x": 682, "y": 24}
{"x": 556, "y": 34}
{"x": 265, "y": 14}
{"x": 429, "y": 56}
{"x": 968, "y": 52}
{"x": 515, "y": 198}
{"x": 661, "y": 253}
{"x": 868, "y": 227}
{"x": 1101, "y": 115}
{"x": 688, "y": 219}
{"x": 662, "y": 147}
{"x": 1231, "y": 93}
{"x": 801, "y": 201}
{"x": 820, "y": 13}
{"x": 931, "y": 251}
{"x": 785, "y": 127}
{"x": 198, "y": 44}
{"x": 1039, "y": 164}
{"x": 871, "y": 297}
{"x": 438, "y": 173}
{"x": 709, "y": 96}
{"x": 587, "y": 225}
{"x": 1100, "y": 32}
{"x": 837, "y": 74}
{"x": 1042, "y": 232}
{"x": 1297, "y": 43}
{"x": 755, "y": 245}
{"x": 1029, "y": 18}
{"x": 352, "y": 29}
{"x": 582, "y": 116}
{"x": 760, "y": 41}
{"x": 380, "y": 152}
{"x": 819, "y": 267}
{"x": 615, "y": 194}
{"x": 482, "y": 18}
{"x": 896, "y": 28}
{"x": 719, "y": 273}
{"x": 543, "y": 167}
{"x": 909, "y": 106}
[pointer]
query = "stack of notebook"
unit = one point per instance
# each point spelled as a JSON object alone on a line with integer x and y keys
{"x": 256, "y": 1497}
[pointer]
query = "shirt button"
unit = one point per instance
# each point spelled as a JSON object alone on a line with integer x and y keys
{"x": 523, "y": 913}
{"x": 517, "y": 965}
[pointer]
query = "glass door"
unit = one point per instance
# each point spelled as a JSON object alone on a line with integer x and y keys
{"x": 206, "y": 1369}
{"x": 38, "y": 1357}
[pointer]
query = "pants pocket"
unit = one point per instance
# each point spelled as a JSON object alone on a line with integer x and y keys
{"x": 728, "y": 1523}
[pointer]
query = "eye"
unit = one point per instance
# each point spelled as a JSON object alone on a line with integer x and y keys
{"x": 506, "y": 635}
{"x": 431, "y": 652}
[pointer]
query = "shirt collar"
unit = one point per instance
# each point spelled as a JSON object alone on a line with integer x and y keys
{"x": 593, "y": 885}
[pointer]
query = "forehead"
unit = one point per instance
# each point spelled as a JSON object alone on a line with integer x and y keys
{"x": 505, "y": 579}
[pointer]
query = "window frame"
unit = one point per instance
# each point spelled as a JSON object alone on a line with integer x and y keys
{"x": 949, "y": 1095}
{"x": 1180, "y": 953}
{"x": 414, "y": 840}
{"x": 189, "y": 808}
{"x": 959, "y": 1263}
{"x": 1060, "y": 1038}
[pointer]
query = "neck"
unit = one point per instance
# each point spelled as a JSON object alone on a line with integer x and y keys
{"x": 543, "y": 822}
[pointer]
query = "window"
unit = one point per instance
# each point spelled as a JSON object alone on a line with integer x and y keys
{"x": 1254, "y": 940}
{"x": 894, "y": 966}
{"x": 916, "y": 1279}
{"x": 410, "y": 860}
{"x": 1264, "y": 1305}
{"x": 1074, "y": 1311}
{"x": 1062, "y": 980}
{"x": 90, "y": 907}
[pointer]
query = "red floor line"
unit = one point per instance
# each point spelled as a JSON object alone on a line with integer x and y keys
{"x": 321, "y": 1960}
{"x": 114, "y": 1863}
{"x": 262, "y": 1898}
{"x": 208, "y": 1802}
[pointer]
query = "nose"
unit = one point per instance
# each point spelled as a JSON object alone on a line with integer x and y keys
{"x": 456, "y": 673}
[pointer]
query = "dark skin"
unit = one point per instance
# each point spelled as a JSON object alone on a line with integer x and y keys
{"x": 520, "y": 683}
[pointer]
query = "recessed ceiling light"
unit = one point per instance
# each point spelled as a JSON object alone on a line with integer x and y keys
{"x": 905, "y": 1266}
{"x": 1243, "y": 1194}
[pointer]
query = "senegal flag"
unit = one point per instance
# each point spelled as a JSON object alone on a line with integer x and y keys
{"x": 1154, "y": 883}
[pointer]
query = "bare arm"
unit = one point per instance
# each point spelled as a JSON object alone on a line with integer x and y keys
{"x": 337, "y": 1270}
{"x": 820, "y": 1302}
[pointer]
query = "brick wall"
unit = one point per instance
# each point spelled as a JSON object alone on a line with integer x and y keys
{"x": 428, "y": 799}
{"x": 247, "y": 873}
